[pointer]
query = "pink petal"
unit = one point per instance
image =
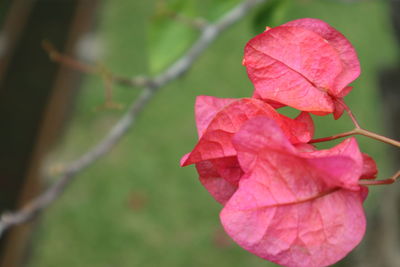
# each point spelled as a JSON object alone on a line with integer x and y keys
{"x": 286, "y": 210}
{"x": 339, "y": 166}
{"x": 212, "y": 145}
{"x": 339, "y": 109}
{"x": 273, "y": 104}
{"x": 306, "y": 131}
{"x": 229, "y": 169}
{"x": 310, "y": 55}
{"x": 206, "y": 108}
{"x": 342, "y": 163}
{"x": 256, "y": 135}
{"x": 301, "y": 78}
{"x": 215, "y": 141}
{"x": 370, "y": 169}
{"x": 184, "y": 159}
{"x": 344, "y": 91}
{"x": 220, "y": 177}
{"x": 305, "y": 147}
{"x": 215, "y": 156}
{"x": 317, "y": 232}
{"x": 348, "y": 56}
{"x": 232, "y": 117}
{"x": 219, "y": 188}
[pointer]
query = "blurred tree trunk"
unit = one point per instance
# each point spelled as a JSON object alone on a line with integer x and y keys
{"x": 35, "y": 97}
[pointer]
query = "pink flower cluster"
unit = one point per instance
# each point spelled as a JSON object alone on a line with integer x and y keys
{"x": 283, "y": 199}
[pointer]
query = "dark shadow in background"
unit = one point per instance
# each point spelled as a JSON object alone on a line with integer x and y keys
{"x": 382, "y": 244}
{"x": 35, "y": 97}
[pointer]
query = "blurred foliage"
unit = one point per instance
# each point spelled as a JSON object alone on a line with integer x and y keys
{"x": 173, "y": 29}
{"x": 136, "y": 206}
{"x": 270, "y": 14}
{"x": 168, "y": 37}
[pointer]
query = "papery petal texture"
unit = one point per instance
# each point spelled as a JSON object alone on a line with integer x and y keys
{"x": 289, "y": 209}
{"x": 218, "y": 119}
{"x": 220, "y": 188}
{"x": 343, "y": 164}
{"x": 220, "y": 177}
{"x": 206, "y": 107}
{"x": 316, "y": 232}
{"x": 215, "y": 140}
{"x": 284, "y": 200}
{"x": 319, "y": 66}
{"x": 369, "y": 170}
{"x": 347, "y": 53}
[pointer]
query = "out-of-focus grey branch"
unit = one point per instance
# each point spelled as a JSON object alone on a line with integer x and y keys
{"x": 208, "y": 34}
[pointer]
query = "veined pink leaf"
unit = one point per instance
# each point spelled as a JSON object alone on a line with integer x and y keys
{"x": 215, "y": 155}
{"x": 206, "y": 108}
{"x": 347, "y": 53}
{"x": 315, "y": 232}
{"x": 305, "y": 130}
{"x": 219, "y": 188}
{"x": 370, "y": 169}
{"x": 287, "y": 210}
{"x": 220, "y": 177}
{"x": 215, "y": 141}
{"x": 304, "y": 64}
{"x": 334, "y": 162}
{"x": 339, "y": 109}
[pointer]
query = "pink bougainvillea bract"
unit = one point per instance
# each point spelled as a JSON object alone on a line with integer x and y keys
{"x": 284, "y": 200}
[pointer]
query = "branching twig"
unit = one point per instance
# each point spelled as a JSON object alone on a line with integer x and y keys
{"x": 208, "y": 35}
{"x": 196, "y": 23}
{"x": 66, "y": 60}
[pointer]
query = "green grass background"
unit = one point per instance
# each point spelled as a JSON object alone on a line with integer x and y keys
{"x": 136, "y": 206}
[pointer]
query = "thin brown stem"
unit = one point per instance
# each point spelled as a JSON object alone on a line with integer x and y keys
{"x": 197, "y": 23}
{"x": 356, "y": 130}
{"x": 138, "y": 81}
{"x": 378, "y": 137}
{"x": 108, "y": 91}
{"x": 333, "y": 137}
{"x": 349, "y": 112}
{"x": 162, "y": 9}
{"x": 83, "y": 67}
{"x": 390, "y": 180}
{"x": 67, "y": 60}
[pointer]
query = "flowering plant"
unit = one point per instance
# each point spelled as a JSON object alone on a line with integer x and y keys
{"x": 283, "y": 199}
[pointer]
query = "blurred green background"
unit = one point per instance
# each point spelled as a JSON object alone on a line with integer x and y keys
{"x": 136, "y": 206}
